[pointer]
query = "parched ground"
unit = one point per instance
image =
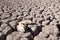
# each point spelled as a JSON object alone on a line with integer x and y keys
{"x": 45, "y": 14}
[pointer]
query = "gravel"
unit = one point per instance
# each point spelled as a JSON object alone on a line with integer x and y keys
{"x": 44, "y": 15}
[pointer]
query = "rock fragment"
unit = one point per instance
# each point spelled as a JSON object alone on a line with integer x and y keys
{"x": 28, "y": 35}
{"x": 35, "y": 29}
{"x": 13, "y": 18}
{"x": 52, "y": 29}
{"x": 7, "y": 30}
{"x": 5, "y": 15}
{"x": 45, "y": 22}
{"x": 39, "y": 38}
{"x": 6, "y": 20}
{"x": 3, "y": 25}
{"x": 22, "y": 25}
{"x": 24, "y": 39}
{"x": 1, "y": 29}
{"x": 9, "y": 37}
{"x": 51, "y": 37}
{"x": 42, "y": 34}
{"x": 2, "y": 36}
{"x": 21, "y": 28}
{"x": 18, "y": 36}
{"x": 13, "y": 24}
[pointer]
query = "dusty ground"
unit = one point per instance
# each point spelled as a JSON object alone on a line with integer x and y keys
{"x": 45, "y": 15}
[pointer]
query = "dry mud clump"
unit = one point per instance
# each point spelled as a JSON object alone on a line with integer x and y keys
{"x": 29, "y": 19}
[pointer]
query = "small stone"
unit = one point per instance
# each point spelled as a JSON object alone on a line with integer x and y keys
{"x": 25, "y": 13}
{"x": 6, "y": 20}
{"x": 34, "y": 29}
{"x": 5, "y": 15}
{"x": 14, "y": 33}
{"x": 22, "y": 25}
{"x": 3, "y": 25}
{"x": 27, "y": 35}
{"x": 39, "y": 38}
{"x": 24, "y": 39}
{"x": 28, "y": 17}
{"x": 14, "y": 14}
{"x": 52, "y": 37}
{"x": 42, "y": 34}
{"x": 30, "y": 26}
{"x": 56, "y": 30}
{"x": 25, "y": 22}
{"x": 34, "y": 20}
{"x": 21, "y": 28}
{"x": 53, "y": 22}
{"x": 13, "y": 18}
{"x": 59, "y": 38}
{"x": 7, "y": 30}
{"x": 0, "y": 22}
{"x": 1, "y": 29}
{"x": 48, "y": 29}
{"x": 9, "y": 37}
{"x": 13, "y": 24}
{"x": 36, "y": 38}
{"x": 2, "y": 36}
{"x": 18, "y": 36}
{"x": 45, "y": 22}
{"x": 20, "y": 18}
